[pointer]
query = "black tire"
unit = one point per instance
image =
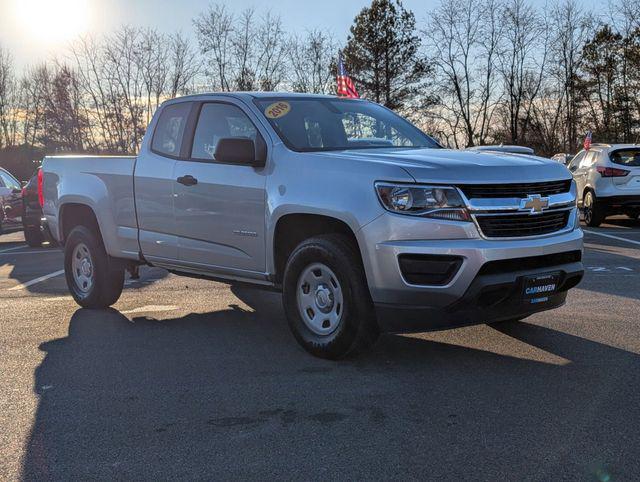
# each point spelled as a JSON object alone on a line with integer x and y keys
{"x": 33, "y": 236}
{"x": 107, "y": 278}
{"x": 356, "y": 328}
{"x": 592, "y": 210}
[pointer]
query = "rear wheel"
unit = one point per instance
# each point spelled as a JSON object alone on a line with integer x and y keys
{"x": 93, "y": 279}
{"x": 592, "y": 210}
{"x": 33, "y": 236}
{"x": 326, "y": 298}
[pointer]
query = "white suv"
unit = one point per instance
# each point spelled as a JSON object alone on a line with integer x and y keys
{"x": 608, "y": 181}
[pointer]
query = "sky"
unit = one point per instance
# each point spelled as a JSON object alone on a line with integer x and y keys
{"x": 35, "y": 30}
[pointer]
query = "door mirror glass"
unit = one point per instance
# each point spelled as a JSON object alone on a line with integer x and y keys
{"x": 237, "y": 150}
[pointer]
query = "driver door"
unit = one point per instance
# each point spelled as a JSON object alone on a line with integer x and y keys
{"x": 219, "y": 207}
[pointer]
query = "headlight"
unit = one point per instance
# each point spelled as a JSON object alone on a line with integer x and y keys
{"x": 442, "y": 202}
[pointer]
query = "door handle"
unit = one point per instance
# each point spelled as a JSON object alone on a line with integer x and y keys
{"x": 187, "y": 180}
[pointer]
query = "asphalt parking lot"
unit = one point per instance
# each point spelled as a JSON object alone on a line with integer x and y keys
{"x": 190, "y": 379}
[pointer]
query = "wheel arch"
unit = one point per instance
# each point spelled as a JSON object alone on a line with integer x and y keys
{"x": 293, "y": 228}
{"x": 74, "y": 214}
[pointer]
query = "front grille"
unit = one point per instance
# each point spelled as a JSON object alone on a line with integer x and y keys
{"x": 502, "y": 266}
{"x": 515, "y": 190}
{"x": 518, "y": 225}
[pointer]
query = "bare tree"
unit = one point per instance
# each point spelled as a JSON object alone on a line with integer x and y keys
{"x": 214, "y": 29}
{"x": 570, "y": 25}
{"x": 184, "y": 65}
{"x": 463, "y": 37}
{"x": 522, "y": 64}
{"x": 310, "y": 58}
{"x": 244, "y": 52}
{"x": 7, "y": 85}
{"x": 151, "y": 58}
{"x": 272, "y": 45}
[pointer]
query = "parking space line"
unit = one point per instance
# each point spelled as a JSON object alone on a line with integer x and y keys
{"x": 11, "y": 249}
{"x": 35, "y": 252}
{"x": 36, "y": 281}
{"x": 612, "y": 237}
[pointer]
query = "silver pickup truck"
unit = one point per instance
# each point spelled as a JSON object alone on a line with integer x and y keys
{"x": 363, "y": 222}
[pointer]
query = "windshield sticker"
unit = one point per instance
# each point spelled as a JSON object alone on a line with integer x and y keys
{"x": 277, "y": 110}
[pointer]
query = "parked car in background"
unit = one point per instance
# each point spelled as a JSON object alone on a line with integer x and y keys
{"x": 10, "y": 202}
{"x": 608, "y": 181}
{"x": 503, "y": 148}
{"x": 34, "y": 225}
{"x": 563, "y": 158}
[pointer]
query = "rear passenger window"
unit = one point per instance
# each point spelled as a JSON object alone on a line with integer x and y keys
{"x": 167, "y": 137}
{"x": 626, "y": 157}
{"x": 219, "y": 121}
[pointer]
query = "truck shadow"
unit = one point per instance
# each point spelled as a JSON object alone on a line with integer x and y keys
{"x": 229, "y": 395}
{"x": 26, "y": 266}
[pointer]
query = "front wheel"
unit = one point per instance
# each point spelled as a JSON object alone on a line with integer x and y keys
{"x": 93, "y": 279}
{"x": 326, "y": 298}
{"x": 592, "y": 210}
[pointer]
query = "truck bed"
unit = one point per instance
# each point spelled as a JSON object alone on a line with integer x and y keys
{"x": 105, "y": 184}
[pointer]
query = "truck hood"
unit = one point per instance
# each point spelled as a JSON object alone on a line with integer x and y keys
{"x": 462, "y": 167}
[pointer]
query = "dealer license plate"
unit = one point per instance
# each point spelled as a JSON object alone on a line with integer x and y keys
{"x": 538, "y": 288}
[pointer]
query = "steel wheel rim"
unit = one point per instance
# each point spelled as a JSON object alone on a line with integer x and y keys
{"x": 82, "y": 268}
{"x": 320, "y": 299}
{"x": 588, "y": 206}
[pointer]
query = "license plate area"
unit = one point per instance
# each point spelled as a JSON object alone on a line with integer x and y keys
{"x": 539, "y": 288}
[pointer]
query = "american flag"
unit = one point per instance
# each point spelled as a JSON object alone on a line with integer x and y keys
{"x": 345, "y": 84}
{"x": 587, "y": 141}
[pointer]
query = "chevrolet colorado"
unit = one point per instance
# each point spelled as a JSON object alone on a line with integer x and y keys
{"x": 363, "y": 222}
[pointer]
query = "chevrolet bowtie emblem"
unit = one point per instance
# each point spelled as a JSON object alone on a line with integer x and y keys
{"x": 535, "y": 203}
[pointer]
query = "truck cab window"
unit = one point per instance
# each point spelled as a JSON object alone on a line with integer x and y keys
{"x": 219, "y": 121}
{"x": 167, "y": 138}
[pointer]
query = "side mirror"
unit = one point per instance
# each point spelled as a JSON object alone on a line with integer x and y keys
{"x": 573, "y": 168}
{"x": 238, "y": 150}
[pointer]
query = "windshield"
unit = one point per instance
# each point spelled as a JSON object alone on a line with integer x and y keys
{"x": 626, "y": 157}
{"x": 311, "y": 124}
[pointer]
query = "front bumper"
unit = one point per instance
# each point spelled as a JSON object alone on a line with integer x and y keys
{"x": 405, "y": 307}
{"x": 489, "y": 298}
{"x": 620, "y": 203}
